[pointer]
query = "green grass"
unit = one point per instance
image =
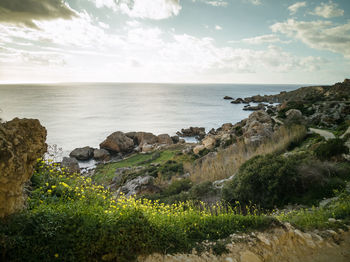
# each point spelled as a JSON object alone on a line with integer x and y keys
{"x": 105, "y": 172}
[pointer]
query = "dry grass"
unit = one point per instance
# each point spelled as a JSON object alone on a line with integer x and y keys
{"x": 228, "y": 161}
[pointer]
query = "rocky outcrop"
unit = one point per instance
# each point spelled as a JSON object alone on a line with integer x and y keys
{"x": 139, "y": 186}
{"x": 83, "y": 153}
{"x": 336, "y": 92}
{"x": 279, "y": 244}
{"x": 192, "y": 131}
{"x": 101, "y": 155}
{"x": 165, "y": 139}
{"x": 118, "y": 142}
{"x": 258, "y": 126}
{"x": 70, "y": 164}
{"x": 22, "y": 142}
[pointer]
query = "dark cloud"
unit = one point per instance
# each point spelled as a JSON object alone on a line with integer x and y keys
{"x": 25, "y": 11}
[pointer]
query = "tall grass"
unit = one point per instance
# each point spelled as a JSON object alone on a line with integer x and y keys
{"x": 228, "y": 161}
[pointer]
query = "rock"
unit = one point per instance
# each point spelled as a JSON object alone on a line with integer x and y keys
{"x": 83, "y": 154}
{"x": 175, "y": 139}
{"x": 71, "y": 164}
{"x": 22, "y": 142}
{"x": 192, "y": 131}
{"x": 139, "y": 186}
{"x": 228, "y": 98}
{"x": 226, "y": 127}
{"x": 165, "y": 139}
{"x": 198, "y": 148}
{"x": 238, "y": 101}
{"x": 294, "y": 116}
{"x": 101, "y": 155}
{"x": 209, "y": 142}
{"x": 147, "y": 148}
{"x": 248, "y": 256}
{"x": 258, "y": 126}
{"x": 146, "y": 138}
{"x": 132, "y": 135}
{"x": 118, "y": 142}
{"x": 254, "y": 108}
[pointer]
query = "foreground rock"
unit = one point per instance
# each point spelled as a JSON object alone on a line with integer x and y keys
{"x": 70, "y": 164}
{"x": 22, "y": 141}
{"x": 279, "y": 244}
{"x": 82, "y": 154}
{"x": 258, "y": 126}
{"x": 118, "y": 142}
{"x": 101, "y": 155}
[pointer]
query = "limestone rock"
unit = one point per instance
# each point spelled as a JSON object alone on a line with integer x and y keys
{"x": 165, "y": 139}
{"x": 139, "y": 186}
{"x": 209, "y": 142}
{"x": 83, "y": 154}
{"x": 146, "y": 138}
{"x": 101, "y": 155}
{"x": 118, "y": 142}
{"x": 198, "y": 148}
{"x": 22, "y": 141}
{"x": 71, "y": 164}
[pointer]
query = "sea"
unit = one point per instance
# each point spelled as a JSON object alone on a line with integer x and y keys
{"x": 84, "y": 114}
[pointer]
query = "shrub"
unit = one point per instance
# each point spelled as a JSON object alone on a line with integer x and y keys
{"x": 331, "y": 148}
{"x": 202, "y": 191}
{"x": 271, "y": 180}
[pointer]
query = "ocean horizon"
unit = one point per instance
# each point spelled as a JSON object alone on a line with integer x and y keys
{"x": 83, "y": 114}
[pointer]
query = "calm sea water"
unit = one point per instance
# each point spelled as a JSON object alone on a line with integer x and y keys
{"x": 77, "y": 115}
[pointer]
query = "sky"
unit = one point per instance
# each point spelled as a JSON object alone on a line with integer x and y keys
{"x": 175, "y": 41}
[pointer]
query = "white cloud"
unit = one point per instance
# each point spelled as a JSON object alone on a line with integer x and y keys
{"x": 216, "y": 3}
{"x": 257, "y": 40}
{"x": 323, "y": 35}
{"x": 150, "y": 9}
{"x": 295, "y": 7}
{"x": 217, "y": 27}
{"x": 328, "y": 10}
{"x": 254, "y": 2}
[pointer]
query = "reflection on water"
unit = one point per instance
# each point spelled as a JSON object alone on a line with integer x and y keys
{"x": 83, "y": 114}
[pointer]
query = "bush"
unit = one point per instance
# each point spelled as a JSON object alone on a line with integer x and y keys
{"x": 270, "y": 180}
{"x": 331, "y": 148}
{"x": 202, "y": 191}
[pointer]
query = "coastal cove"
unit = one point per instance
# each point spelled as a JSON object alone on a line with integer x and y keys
{"x": 77, "y": 115}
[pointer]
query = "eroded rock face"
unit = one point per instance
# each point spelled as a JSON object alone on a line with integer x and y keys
{"x": 118, "y": 142}
{"x": 165, "y": 139}
{"x": 258, "y": 126}
{"x": 22, "y": 142}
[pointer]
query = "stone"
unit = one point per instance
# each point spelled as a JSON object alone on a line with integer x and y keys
{"x": 139, "y": 186}
{"x": 70, "y": 164}
{"x": 248, "y": 256}
{"x": 101, "y": 155}
{"x": 147, "y": 148}
{"x": 22, "y": 142}
{"x": 192, "y": 131}
{"x": 118, "y": 142}
{"x": 175, "y": 139}
{"x": 228, "y": 98}
{"x": 165, "y": 139}
{"x": 198, "y": 148}
{"x": 209, "y": 142}
{"x": 146, "y": 138}
{"x": 82, "y": 154}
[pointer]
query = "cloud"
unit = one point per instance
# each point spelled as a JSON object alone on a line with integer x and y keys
{"x": 217, "y": 27}
{"x": 322, "y": 35}
{"x": 25, "y": 12}
{"x": 295, "y": 7}
{"x": 328, "y": 10}
{"x": 150, "y": 9}
{"x": 216, "y": 3}
{"x": 254, "y": 2}
{"x": 257, "y": 40}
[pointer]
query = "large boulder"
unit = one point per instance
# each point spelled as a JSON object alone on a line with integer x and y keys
{"x": 140, "y": 186}
{"x": 165, "y": 139}
{"x": 70, "y": 164}
{"x": 192, "y": 131}
{"x": 258, "y": 126}
{"x": 83, "y": 153}
{"x": 209, "y": 142}
{"x": 22, "y": 142}
{"x": 146, "y": 138}
{"x": 101, "y": 155}
{"x": 118, "y": 142}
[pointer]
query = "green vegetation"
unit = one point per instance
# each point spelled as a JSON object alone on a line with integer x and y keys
{"x": 331, "y": 148}
{"x": 71, "y": 219}
{"x": 273, "y": 181}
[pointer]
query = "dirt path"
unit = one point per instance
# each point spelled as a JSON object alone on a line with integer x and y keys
{"x": 326, "y": 134}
